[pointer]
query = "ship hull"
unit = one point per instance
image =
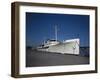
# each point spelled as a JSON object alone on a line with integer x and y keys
{"x": 68, "y": 47}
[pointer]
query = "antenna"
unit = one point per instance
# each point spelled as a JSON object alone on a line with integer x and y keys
{"x": 55, "y": 32}
{"x": 44, "y": 40}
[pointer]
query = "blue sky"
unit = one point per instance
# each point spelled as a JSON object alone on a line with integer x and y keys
{"x": 41, "y": 26}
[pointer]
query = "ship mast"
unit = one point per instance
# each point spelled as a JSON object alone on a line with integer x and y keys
{"x": 55, "y": 32}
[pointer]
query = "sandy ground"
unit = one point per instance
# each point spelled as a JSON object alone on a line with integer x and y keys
{"x": 37, "y": 58}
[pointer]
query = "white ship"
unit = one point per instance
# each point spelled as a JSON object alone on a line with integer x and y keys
{"x": 66, "y": 47}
